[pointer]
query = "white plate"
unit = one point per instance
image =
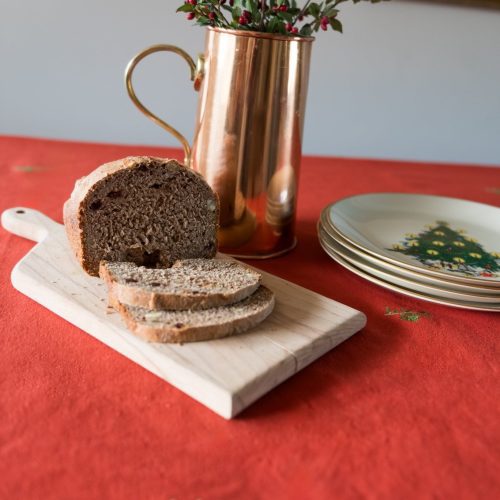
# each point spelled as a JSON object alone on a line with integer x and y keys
{"x": 411, "y": 293}
{"x": 414, "y": 275}
{"x": 435, "y": 235}
{"x": 395, "y": 279}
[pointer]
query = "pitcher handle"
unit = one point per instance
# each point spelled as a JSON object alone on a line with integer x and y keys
{"x": 196, "y": 77}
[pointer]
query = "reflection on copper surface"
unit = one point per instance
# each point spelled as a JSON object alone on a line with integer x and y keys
{"x": 248, "y": 136}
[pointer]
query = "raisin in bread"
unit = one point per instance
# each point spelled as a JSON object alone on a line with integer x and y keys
{"x": 146, "y": 210}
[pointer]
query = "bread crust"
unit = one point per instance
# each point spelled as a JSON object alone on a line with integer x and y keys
{"x": 137, "y": 296}
{"x": 191, "y": 333}
{"x": 73, "y": 210}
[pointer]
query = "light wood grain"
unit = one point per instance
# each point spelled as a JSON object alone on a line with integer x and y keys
{"x": 226, "y": 375}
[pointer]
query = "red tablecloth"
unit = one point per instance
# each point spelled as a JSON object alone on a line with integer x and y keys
{"x": 402, "y": 410}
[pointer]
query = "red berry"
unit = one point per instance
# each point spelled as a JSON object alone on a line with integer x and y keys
{"x": 300, "y": 18}
{"x": 247, "y": 14}
{"x": 295, "y": 31}
{"x": 190, "y": 16}
{"x": 211, "y": 16}
{"x": 243, "y": 20}
{"x": 288, "y": 27}
{"x": 283, "y": 8}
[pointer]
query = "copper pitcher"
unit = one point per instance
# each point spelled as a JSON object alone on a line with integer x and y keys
{"x": 248, "y": 132}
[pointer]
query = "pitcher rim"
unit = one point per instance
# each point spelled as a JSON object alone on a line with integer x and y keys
{"x": 260, "y": 34}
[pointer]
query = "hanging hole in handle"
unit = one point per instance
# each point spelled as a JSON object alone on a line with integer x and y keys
{"x": 196, "y": 73}
{"x": 20, "y": 212}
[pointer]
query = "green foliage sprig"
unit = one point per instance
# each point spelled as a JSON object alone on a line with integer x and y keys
{"x": 406, "y": 314}
{"x": 285, "y": 17}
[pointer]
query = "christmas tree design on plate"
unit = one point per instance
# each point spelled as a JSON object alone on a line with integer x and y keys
{"x": 441, "y": 247}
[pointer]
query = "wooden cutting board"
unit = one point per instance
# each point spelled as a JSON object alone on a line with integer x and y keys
{"x": 226, "y": 375}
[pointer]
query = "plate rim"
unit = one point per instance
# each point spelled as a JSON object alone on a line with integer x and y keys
{"x": 338, "y": 238}
{"x": 432, "y": 272}
{"x": 467, "y": 297}
{"x": 403, "y": 291}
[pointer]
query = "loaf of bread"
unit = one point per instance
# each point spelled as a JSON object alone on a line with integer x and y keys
{"x": 190, "y": 326}
{"x": 145, "y": 210}
{"x": 188, "y": 284}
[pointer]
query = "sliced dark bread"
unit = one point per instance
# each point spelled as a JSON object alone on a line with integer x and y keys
{"x": 141, "y": 209}
{"x": 190, "y": 326}
{"x": 188, "y": 284}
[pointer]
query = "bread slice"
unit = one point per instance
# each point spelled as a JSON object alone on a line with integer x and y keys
{"x": 141, "y": 209}
{"x": 190, "y": 326}
{"x": 188, "y": 284}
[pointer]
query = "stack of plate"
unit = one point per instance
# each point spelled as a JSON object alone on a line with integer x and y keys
{"x": 438, "y": 249}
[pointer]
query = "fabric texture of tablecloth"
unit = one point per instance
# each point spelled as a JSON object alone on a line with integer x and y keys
{"x": 404, "y": 409}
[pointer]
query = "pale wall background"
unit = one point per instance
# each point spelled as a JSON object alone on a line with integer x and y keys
{"x": 406, "y": 80}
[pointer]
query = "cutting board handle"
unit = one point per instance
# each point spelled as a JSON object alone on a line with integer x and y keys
{"x": 28, "y": 223}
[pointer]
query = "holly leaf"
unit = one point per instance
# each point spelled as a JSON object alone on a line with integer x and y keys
{"x": 187, "y": 7}
{"x": 331, "y": 12}
{"x": 252, "y": 7}
{"x": 314, "y": 9}
{"x": 272, "y": 27}
{"x": 203, "y": 21}
{"x": 306, "y": 30}
{"x": 336, "y": 24}
{"x": 286, "y": 16}
{"x": 236, "y": 13}
{"x": 282, "y": 29}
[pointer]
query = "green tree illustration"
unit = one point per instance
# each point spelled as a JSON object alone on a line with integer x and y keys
{"x": 443, "y": 247}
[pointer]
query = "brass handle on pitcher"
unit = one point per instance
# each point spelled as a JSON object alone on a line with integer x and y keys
{"x": 196, "y": 77}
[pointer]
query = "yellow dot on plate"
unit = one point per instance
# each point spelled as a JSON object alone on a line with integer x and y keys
{"x": 438, "y": 243}
{"x": 432, "y": 252}
{"x": 458, "y": 244}
{"x": 475, "y": 255}
{"x": 398, "y": 247}
{"x": 496, "y": 255}
{"x": 438, "y": 233}
{"x": 472, "y": 240}
{"x": 413, "y": 243}
{"x": 459, "y": 260}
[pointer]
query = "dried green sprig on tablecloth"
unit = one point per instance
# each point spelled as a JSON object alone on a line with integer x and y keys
{"x": 406, "y": 314}
{"x": 284, "y": 17}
